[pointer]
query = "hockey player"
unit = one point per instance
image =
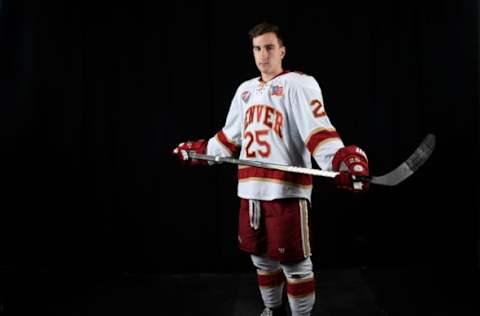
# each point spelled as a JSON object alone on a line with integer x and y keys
{"x": 280, "y": 118}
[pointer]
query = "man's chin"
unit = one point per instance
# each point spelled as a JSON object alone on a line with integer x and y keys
{"x": 265, "y": 70}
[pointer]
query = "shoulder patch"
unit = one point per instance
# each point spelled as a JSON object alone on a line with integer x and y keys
{"x": 245, "y": 96}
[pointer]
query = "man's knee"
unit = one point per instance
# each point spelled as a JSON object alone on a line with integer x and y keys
{"x": 298, "y": 270}
{"x": 264, "y": 263}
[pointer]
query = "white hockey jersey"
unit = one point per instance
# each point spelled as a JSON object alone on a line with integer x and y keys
{"x": 281, "y": 121}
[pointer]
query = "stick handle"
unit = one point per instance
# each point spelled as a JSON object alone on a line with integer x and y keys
{"x": 259, "y": 164}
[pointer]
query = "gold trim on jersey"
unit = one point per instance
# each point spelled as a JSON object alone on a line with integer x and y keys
{"x": 323, "y": 142}
{"x": 318, "y": 130}
{"x": 277, "y": 181}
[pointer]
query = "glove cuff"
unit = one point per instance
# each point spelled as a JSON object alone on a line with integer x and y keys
{"x": 352, "y": 159}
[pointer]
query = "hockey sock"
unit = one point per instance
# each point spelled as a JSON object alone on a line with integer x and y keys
{"x": 271, "y": 280}
{"x": 300, "y": 287}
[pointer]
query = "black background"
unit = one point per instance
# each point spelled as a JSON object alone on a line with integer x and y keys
{"x": 95, "y": 95}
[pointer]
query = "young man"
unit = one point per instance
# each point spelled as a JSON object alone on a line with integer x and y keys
{"x": 280, "y": 118}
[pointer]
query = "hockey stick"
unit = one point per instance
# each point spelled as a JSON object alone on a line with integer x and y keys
{"x": 394, "y": 177}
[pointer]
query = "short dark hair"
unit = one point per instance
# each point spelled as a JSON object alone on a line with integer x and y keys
{"x": 266, "y": 27}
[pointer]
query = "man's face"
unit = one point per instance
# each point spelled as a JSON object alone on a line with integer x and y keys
{"x": 268, "y": 54}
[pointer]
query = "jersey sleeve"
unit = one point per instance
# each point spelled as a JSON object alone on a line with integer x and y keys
{"x": 227, "y": 142}
{"x": 314, "y": 126}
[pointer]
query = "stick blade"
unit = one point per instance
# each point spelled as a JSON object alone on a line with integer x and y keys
{"x": 412, "y": 164}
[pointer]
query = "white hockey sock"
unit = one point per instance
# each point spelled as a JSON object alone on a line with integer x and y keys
{"x": 271, "y": 280}
{"x": 300, "y": 287}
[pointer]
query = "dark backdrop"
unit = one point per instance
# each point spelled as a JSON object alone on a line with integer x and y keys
{"x": 94, "y": 97}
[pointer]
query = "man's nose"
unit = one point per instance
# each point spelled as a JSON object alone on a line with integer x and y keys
{"x": 263, "y": 53}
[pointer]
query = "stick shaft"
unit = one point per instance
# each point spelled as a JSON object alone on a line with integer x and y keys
{"x": 260, "y": 164}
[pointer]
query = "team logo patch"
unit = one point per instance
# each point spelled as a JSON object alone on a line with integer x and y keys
{"x": 358, "y": 168}
{"x": 276, "y": 91}
{"x": 245, "y": 96}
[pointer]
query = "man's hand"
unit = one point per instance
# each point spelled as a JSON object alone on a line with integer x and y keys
{"x": 199, "y": 146}
{"x": 351, "y": 161}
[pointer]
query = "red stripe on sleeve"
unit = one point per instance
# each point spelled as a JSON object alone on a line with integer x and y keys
{"x": 231, "y": 147}
{"x": 319, "y": 137}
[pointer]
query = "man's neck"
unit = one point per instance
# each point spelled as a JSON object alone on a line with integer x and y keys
{"x": 270, "y": 76}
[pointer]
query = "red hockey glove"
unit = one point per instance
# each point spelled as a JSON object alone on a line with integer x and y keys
{"x": 352, "y": 163}
{"x": 199, "y": 146}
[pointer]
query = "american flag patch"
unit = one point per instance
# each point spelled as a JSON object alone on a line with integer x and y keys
{"x": 245, "y": 96}
{"x": 277, "y": 91}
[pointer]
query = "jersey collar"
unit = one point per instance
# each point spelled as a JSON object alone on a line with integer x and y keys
{"x": 280, "y": 74}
